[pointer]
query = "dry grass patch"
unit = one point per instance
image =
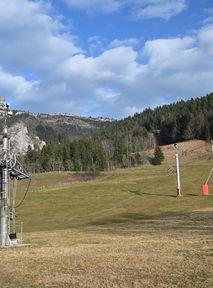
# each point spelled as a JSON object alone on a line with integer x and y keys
{"x": 135, "y": 255}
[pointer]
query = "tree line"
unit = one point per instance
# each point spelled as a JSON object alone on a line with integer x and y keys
{"x": 123, "y": 143}
{"x": 96, "y": 153}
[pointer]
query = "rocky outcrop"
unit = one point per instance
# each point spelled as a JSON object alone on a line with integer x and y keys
{"x": 21, "y": 140}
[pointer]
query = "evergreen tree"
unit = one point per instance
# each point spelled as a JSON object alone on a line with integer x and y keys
{"x": 158, "y": 156}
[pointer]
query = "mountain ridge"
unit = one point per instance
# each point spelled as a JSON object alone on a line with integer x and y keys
{"x": 87, "y": 143}
{"x": 39, "y": 129}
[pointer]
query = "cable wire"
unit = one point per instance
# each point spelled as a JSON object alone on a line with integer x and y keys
{"x": 25, "y": 194}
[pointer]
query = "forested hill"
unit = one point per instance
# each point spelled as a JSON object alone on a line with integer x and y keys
{"x": 122, "y": 143}
{"x": 179, "y": 121}
{"x": 183, "y": 120}
{"x": 37, "y": 130}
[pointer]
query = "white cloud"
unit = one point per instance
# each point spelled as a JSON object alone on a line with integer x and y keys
{"x": 15, "y": 86}
{"x": 205, "y": 38}
{"x": 163, "y": 50}
{"x": 178, "y": 68}
{"x": 30, "y": 39}
{"x": 158, "y": 8}
{"x": 132, "y": 42}
{"x": 105, "y": 6}
{"x": 28, "y": 32}
{"x": 118, "y": 64}
{"x": 114, "y": 83}
{"x": 139, "y": 9}
{"x": 106, "y": 94}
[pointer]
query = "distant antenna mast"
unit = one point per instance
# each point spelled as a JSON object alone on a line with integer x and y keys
{"x": 7, "y": 172}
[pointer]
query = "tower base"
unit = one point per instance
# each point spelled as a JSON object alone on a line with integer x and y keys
{"x": 179, "y": 193}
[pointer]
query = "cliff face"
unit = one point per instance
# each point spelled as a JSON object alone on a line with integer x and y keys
{"x": 21, "y": 140}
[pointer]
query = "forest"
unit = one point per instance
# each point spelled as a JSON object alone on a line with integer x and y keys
{"x": 122, "y": 144}
{"x": 184, "y": 120}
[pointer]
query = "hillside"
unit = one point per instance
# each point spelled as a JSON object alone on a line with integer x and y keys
{"x": 67, "y": 142}
{"x": 124, "y": 229}
{"x": 188, "y": 150}
{"x": 180, "y": 121}
{"x": 125, "y": 143}
{"x": 37, "y": 130}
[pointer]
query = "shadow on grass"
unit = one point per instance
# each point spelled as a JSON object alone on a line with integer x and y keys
{"x": 160, "y": 195}
{"x": 125, "y": 218}
{"x": 125, "y": 223}
{"x": 139, "y": 193}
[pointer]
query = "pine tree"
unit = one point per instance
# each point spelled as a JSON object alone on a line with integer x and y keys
{"x": 158, "y": 156}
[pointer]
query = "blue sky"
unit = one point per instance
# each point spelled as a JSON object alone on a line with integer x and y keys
{"x": 104, "y": 57}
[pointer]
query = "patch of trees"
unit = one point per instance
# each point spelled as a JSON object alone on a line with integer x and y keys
{"x": 121, "y": 148}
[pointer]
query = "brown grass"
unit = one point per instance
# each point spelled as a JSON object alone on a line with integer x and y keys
{"x": 194, "y": 150}
{"x": 164, "y": 252}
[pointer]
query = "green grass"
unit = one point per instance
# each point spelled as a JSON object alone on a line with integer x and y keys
{"x": 118, "y": 196}
{"x": 124, "y": 229}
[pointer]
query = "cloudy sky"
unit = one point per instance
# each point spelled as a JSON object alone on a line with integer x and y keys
{"x": 104, "y": 57}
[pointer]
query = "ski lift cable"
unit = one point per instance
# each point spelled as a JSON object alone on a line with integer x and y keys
{"x": 25, "y": 194}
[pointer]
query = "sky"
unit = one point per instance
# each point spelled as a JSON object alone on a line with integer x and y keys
{"x": 109, "y": 58}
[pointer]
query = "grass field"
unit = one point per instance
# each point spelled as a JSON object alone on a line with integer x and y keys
{"x": 125, "y": 229}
